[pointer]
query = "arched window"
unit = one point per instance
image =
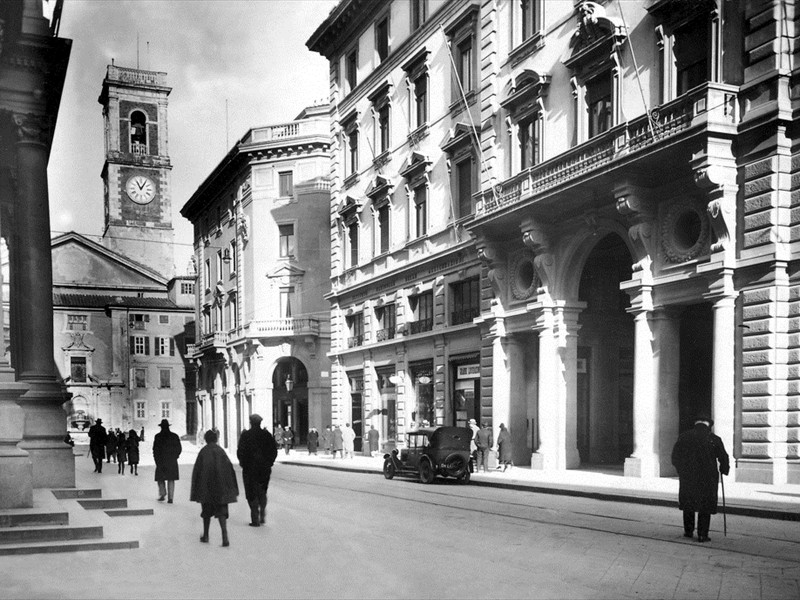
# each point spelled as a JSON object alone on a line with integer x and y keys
{"x": 138, "y": 133}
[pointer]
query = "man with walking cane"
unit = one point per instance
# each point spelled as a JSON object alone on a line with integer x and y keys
{"x": 695, "y": 456}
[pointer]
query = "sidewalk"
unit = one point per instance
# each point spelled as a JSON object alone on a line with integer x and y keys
{"x": 748, "y": 499}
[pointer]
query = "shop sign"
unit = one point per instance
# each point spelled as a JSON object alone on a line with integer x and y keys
{"x": 468, "y": 371}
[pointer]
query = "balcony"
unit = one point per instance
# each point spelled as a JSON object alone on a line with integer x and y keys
{"x": 214, "y": 339}
{"x": 138, "y": 149}
{"x": 356, "y": 340}
{"x": 420, "y": 326}
{"x": 283, "y": 327}
{"x": 288, "y": 131}
{"x": 459, "y": 317}
{"x": 710, "y": 107}
{"x": 385, "y": 334}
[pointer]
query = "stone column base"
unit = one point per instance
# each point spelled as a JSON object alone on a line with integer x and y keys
{"x": 16, "y": 471}
{"x": 646, "y": 467}
{"x": 540, "y": 462}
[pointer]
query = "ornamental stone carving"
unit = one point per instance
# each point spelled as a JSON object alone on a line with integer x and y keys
{"x": 684, "y": 232}
{"x": 524, "y": 280}
{"x": 33, "y": 128}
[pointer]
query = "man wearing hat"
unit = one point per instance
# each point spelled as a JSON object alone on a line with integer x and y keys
{"x": 257, "y": 452}
{"x": 695, "y": 456}
{"x": 166, "y": 450}
{"x": 473, "y": 447}
{"x": 97, "y": 444}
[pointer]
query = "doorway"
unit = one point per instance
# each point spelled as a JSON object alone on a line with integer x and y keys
{"x": 290, "y": 397}
{"x": 696, "y": 363}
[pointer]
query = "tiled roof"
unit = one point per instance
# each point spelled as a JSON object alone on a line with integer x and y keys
{"x": 101, "y": 301}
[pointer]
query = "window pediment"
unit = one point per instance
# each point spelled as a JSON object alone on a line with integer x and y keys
{"x": 417, "y": 164}
{"x": 417, "y": 63}
{"x": 458, "y": 138}
{"x": 381, "y": 94}
{"x": 380, "y": 189}
{"x": 526, "y": 92}
{"x": 674, "y": 13}
{"x": 349, "y": 209}
{"x": 466, "y": 21}
{"x": 349, "y": 124}
{"x": 595, "y": 36}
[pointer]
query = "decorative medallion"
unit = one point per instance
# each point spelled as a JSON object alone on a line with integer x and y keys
{"x": 684, "y": 232}
{"x": 524, "y": 280}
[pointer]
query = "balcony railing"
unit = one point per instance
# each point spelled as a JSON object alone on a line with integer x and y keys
{"x": 713, "y": 104}
{"x": 385, "y": 334}
{"x": 215, "y": 339}
{"x": 283, "y": 327}
{"x": 308, "y": 127}
{"x": 356, "y": 340}
{"x": 420, "y": 326}
{"x": 459, "y": 317}
{"x": 138, "y": 149}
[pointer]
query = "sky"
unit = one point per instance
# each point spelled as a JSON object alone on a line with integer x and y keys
{"x": 250, "y": 53}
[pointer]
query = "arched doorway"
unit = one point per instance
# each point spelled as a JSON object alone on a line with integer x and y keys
{"x": 290, "y": 397}
{"x": 605, "y": 357}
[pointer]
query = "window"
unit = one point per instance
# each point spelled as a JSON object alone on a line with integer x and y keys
{"x": 382, "y": 38}
{"x": 208, "y": 273}
{"x": 77, "y": 368}
{"x": 140, "y": 344}
{"x": 461, "y": 35}
{"x": 691, "y": 55}
{"x": 528, "y": 20}
{"x": 219, "y": 325}
{"x": 419, "y": 13}
{"x": 422, "y": 310}
{"x": 139, "y": 321}
{"x": 464, "y": 65}
{"x": 598, "y": 103}
{"x": 206, "y": 320}
{"x": 140, "y": 410}
{"x": 287, "y": 301}
{"x": 420, "y": 211}
{"x": 351, "y": 69}
{"x": 140, "y": 378}
{"x": 386, "y": 316}
{"x": 138, "y": 133}
{"x": 286, "y": 240}
{"x": 233, "y": 311}
{"x": 355, "y": 326}
{"x": 219, "y": 265}
{"x": 234, "y": 264}
{"x": 285, "y": 184}
{"x": 163, "y": 319}
{"x": 164, "y": 378}
{"x": 352, "y": 153}
{"x": 528, "y": 135}
{"x": 383, "y": 228}
{"x": 383, "y": 128}
{"x": 352, "y": 234}
{"x": 464, "y": 181}
{"x": 78, "y": 322}
{"x": 466, "y": 301}
{"x": 165, "y": 410}
{"x": 164, "y": 346}
{"x": 187, "y": 288}
{"x": 420, "y": 100}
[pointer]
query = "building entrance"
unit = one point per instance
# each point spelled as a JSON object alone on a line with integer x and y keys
{"x": 290, "y": 397}
{"x": 696, "y": 356}
{"x": 605, "y": 357}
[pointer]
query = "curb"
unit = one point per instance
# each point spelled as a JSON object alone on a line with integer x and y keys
{"x": 593, "y": 494}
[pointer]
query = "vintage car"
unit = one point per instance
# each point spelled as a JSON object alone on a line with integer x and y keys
{"x": 432, "y": 451}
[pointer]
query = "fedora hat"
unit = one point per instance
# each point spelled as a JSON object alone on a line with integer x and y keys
{"x": 164, "y": 423}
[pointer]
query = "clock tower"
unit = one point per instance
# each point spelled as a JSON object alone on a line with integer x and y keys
{"x": 137, "y": 195}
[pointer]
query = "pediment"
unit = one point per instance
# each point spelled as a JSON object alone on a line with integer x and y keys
{"x": 460, "y": 135}
{"x": 80, "y": 262}
{"x": 380, "y": 187}
{"x": 286, "y": 270}
{"x": 528, "y": 87}
{"x": 595, "y": 34}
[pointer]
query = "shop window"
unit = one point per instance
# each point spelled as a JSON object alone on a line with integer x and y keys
{"x": 286, "y": 240}
{"x": 138, "y": 133}
{"x": 385, "y": 317}
{"x": 422, "y": 311}
{"x": 423, "y": 414}
{"x": 355, "y": 327}
{"x": 465, "y": 301}
{"x": 387, "y": 390}
{"x": 285, "y": 184}
{"x": 77, "y": 369}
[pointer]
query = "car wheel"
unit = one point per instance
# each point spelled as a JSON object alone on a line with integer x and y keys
{"x": 426, "y": 473}
{"x": 388, "y": 469}
{"x": 464, "y": 477}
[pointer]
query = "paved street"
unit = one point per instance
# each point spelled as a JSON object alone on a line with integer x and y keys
{"x": 335, "y": 534}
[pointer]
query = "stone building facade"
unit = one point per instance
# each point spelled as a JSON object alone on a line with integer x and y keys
{"x": 634, "y": 226}
{"x": 261, "y": 248}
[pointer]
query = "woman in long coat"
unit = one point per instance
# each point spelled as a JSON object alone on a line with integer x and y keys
{"x": 214, "y": 485}
{"x": 133, "y": 451}
{"x": 338, "y": 442}
{"x": 122, "y": 453}
{"x": 313, "y": 440}
{"x": 504, "y": 451}
{"x": 327, "y": 439}
{"x": 111, "y": 446}
{"x": 695, "y": 457}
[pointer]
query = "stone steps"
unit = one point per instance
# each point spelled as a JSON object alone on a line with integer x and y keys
{"x": 65, "y": 520}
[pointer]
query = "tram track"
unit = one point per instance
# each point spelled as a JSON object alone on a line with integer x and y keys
{"x": 562, "y": 517}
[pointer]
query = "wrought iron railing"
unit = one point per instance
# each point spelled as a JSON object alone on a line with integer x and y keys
{"x": 458, "y": 317}
{"x": 356, "y": 340}
{"x": 420, "y": 326}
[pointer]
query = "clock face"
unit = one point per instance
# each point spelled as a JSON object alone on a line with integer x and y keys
{"x": 141, "y": 189}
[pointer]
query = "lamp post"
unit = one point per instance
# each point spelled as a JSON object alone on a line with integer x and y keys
{"x": 289, "y": 383}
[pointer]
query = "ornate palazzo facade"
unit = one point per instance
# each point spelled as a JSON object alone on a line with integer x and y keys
{"x": 633, "y": 239}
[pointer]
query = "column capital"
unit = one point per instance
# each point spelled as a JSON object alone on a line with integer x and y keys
{"x": 33, "y": 129}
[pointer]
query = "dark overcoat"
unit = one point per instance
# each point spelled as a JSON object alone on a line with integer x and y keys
{"x": 133, "y": 449}
{"x": 313, "y": 441}
{"x": 695, "y": 456}
{"x": 326, "y": 439}
{"x": 166, "y": 450}
{"x": 373, "y": 437}
{"x": 256, "y": 452}
{"x": 97, "y": 441}
{"x": 504, "y": 446}
{"x": 213, "y": 477}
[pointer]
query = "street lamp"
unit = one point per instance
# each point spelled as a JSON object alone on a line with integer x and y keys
{"x": 289, "y": 383}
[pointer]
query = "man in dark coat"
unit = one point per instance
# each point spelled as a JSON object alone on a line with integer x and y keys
{"x": 373, "y": 437}
{"x": 166, "y": 450}
{"x": 338, "y": 442}
{"x": 97, "y": 444}
{"x": 213, "y": 486}
{"x": 695, "y": 456}
{"x": 257, "y": 452}
{"x": 313, "y": 440}
{"x": 484, "y": 441}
